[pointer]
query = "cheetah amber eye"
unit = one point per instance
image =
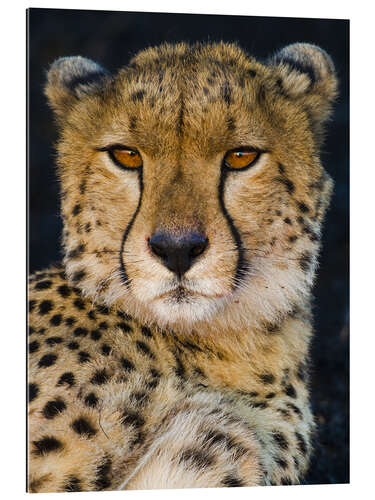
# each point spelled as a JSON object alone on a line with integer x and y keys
{"x": 241, "y": 158}
{"x": 127, "y": 158}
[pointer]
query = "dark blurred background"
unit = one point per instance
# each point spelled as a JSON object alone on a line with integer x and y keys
{"x": 112, "y": 38}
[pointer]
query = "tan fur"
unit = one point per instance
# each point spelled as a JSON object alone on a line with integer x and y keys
{"x": 213, "y": 390}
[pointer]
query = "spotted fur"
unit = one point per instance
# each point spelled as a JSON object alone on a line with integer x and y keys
{"x": 136, "y": 380}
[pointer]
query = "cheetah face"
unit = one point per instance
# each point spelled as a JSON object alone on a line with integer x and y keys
{"x": 191, "y": 182}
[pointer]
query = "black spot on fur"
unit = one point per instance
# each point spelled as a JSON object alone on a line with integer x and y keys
{"x": 31, "y": 305}
{"x": 287, "y": 220}
{"x": 72, "y": 484}
{"x": 281, "y": 169}
{"x": 152, "y": 384}
{"x": 102, "y": 480}
{"x": 45, "y": 307}
{"x": 231, "y": 481}
{"x": 103, "y": 309}
{"x": 179, "y": 369}
{"x": 95, "y": 335}
{"x": 281, "y": 462}
{"x": 138, "y": 96}
{"x": 214, "y": 437}
{"x": 272, "y": 327}
{"x": 231, "y": 124}
{"x": 155, "y": 373}
{"x": 83, "y": 357}
{"x": 198, "y": 371}
{"x": 280, "y": 439}
{"x": 301, "y": 371}
{"x": 259, "y": 404}
{"x": 103, "y": 325}
{"x": 46, "y": 445}
{"x": 226, "y": 92}
{"x": 80, "y": 332}
{"x": 79, "y": 304}
{"x": 76, "y": 209}
{"x": 53, "y": 408}
{"x": 83, "y": 427}
{"x": 290, "y": 391}
{"x": 196, "y": 458}
{"x": 47, "y": 360}
{"x": 132, "y": 418}
{"x": 55, "y": 320}
{"x": 78, "y": 276}
{"x": 305, "y": 261}
{"x": 66, "y": 378}
{"x": 82, "y": 187}
{"x": 286, "y": 481}
{"x": 139, "y": 397}
{"x": 295, "y": 408}
{"x": 33, "y": 392}
{"x": 124, "y": 327}
{"x": 70, "y": 321}
{"x": 301, "y": 443}
{"x": 251, "y": 72}
{"x": 53, "y": 340}
{"x": 105, "y": 349}
{"x": 133, "y": 123}
{"x": 100, "y": 377}
{"x": 144, "y": 348}
{"x": 127, "y": 365}
{"x": 91, "y": 315}
{"x": 33, "y": 346}
{"x": 287, "y": 183}
{"x": 303, "y": 207}
{"x": 270, "y": 395}
{"x": 301, "y": 220}
{"x": 87, "y": 227}
{"x": 292, "y": 238}
{"x": 146, "y": 332}
{"x": 123, "y": 315}
{"x": 43, "y": 285}
{"x": 73, "y": 346}
{"x": 91, "y": 400}
{"x": 261, "y": 96}
{"x": 267, "y": 378}
{"x": 73, "y": 254}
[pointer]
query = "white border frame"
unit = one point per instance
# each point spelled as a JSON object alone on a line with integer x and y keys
{"x": 13, "y": 241}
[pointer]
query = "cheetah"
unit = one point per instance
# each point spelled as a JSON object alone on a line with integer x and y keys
{"x": 170, "y": 348}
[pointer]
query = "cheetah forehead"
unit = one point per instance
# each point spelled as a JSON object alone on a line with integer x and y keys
{"x": 195, "y": 90}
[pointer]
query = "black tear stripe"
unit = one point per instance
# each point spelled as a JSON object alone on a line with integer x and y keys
{"x": 242, "y": 264}
{"x": 124, "y": 274}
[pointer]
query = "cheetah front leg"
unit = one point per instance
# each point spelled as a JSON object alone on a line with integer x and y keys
{"x": 201, "y": 446}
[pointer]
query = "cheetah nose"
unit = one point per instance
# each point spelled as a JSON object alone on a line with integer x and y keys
{"x": 178, "y": 253}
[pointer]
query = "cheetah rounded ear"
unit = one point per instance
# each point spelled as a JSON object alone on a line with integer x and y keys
{"x": 69, "y": 79}
{"x": 306, "y": 72}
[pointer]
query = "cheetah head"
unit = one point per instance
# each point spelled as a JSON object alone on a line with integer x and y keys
{"x": 192, "y": 190}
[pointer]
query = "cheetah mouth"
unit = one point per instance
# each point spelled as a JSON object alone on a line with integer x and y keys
{"x": 181, "y": 293}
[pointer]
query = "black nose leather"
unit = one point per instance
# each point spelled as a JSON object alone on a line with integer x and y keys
{"x": 178, "y": 252}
